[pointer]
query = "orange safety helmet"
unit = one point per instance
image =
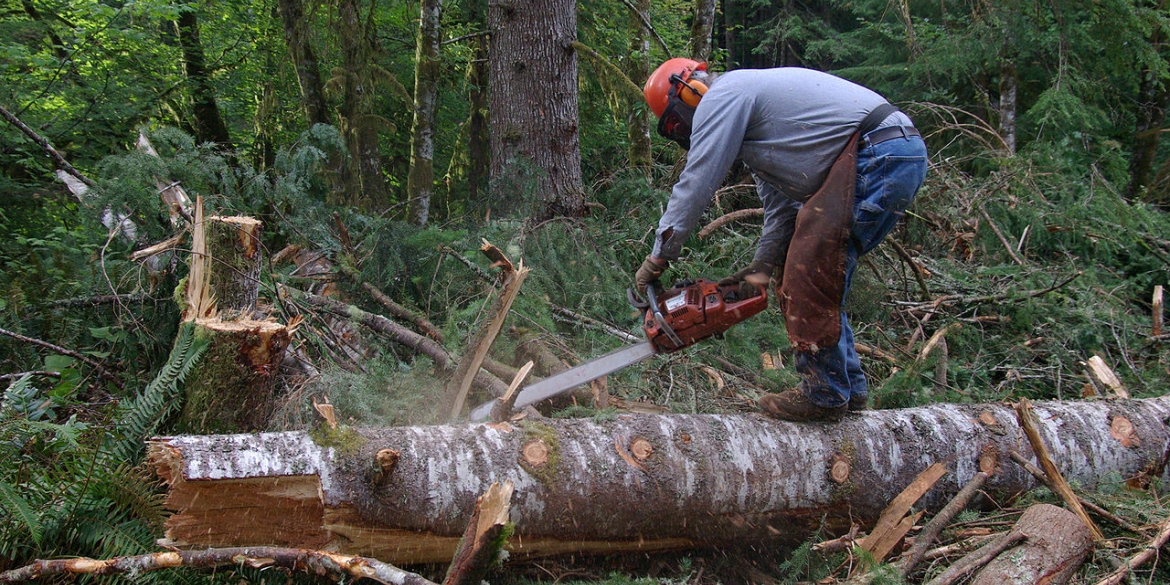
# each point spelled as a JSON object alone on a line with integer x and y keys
{"x": 658, "y": 86}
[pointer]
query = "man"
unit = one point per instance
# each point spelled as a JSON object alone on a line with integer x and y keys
{"x": 806, "y": 136}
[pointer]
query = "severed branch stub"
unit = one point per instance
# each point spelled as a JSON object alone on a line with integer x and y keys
{"x": 503, "y": 408}
{"x": 387, "y": 460}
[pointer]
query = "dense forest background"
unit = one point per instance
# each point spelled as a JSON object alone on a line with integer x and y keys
{"x": 362, "y": 132}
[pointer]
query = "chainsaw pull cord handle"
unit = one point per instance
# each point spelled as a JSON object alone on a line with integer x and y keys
{"x": 661, "y": 319}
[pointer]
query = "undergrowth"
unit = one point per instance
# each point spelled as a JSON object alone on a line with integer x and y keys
{"x": 1071, "y": 279}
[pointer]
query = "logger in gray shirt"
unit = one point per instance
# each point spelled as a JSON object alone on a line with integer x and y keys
{"x": 805, "y": 135}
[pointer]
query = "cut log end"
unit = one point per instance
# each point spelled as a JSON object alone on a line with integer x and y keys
{"x": 839, "y": 469}
{"x": 641, "y": 449}
{"x": 535, "y": 453}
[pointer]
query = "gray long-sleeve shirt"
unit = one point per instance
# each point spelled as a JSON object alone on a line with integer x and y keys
{"x": 788, "y": 125}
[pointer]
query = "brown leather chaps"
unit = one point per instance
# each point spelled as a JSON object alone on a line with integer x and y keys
{"x": 814, "y": 270}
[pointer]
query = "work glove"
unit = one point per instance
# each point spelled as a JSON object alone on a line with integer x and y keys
{"x": 751, "y": 279}
{"x": 647, "y": 274}
{"x": 757, "y": 273}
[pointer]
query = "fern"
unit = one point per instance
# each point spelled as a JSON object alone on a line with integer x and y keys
{"x": 11, "y": 501}
{"x": 142, "y": 416}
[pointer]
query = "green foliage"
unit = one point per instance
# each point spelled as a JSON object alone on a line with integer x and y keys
{"x": 72, "y": 485}
{"x": 139, "y": 418}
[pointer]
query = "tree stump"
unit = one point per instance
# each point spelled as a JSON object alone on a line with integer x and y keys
{"x": 1057, "y": 544}
{"x": 231, "y": 389}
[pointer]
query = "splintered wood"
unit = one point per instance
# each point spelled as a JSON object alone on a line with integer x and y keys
{"x": 478, "y": 346}
{"x": 1156, "y": 311}
{"x": 1028, "y": 424}
{"x": 1103, "y": 379}
{"x": 894, "y": 524}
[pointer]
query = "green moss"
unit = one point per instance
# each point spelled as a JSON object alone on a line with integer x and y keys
{"x": 845, "y": 491}
{"x": 501, "y": 541}
{"x": 533, "y": 431}
{"x": 180, "y": 294}
{"x": 344, "y": 439}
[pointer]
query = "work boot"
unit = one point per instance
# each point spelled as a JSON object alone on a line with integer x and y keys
{"x": 793, "y": 405}
{"x": 858, "y": 402}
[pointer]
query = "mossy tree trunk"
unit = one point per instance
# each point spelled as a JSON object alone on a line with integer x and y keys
{"x": 420, "y": 182}
{"x": 630, "y": 483}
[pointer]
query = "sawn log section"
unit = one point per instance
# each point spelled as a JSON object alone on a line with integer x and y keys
{"x": 634, "y": 482}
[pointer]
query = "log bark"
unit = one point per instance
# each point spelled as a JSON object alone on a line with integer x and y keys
{"x": 1057, "y": 544}
{"x": 631, "y": 483}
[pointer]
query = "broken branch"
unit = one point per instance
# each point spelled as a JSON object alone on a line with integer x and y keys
{"x": 73, "y": 354}
{"x": 1027, "y": 420}
{"x": 935, "y": 527}
{"x": 293, "y": 559}
{"x": 460, "y": 382}
{"x": 740, "y": 215}
{"x": 974, "y": 561}
{"x": 1090, "y": 506}
{"x": 1150, "y": 552}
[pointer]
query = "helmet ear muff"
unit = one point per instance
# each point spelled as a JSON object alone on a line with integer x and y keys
{"x": 693, "y": 92}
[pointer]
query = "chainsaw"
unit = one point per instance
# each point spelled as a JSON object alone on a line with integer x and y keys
{"x": 674, "y": 319}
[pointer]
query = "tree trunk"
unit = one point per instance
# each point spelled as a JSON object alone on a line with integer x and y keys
{"x": 638, "y": 69}
{"x": 296, "y": 23}
{"x": 1057, "y": 545}
{"x": 209, "y": 125}
{"x": 234, "y": 271}
{"x": 535, "y": 147}
{"x": 634, "y": 482}
{"x": 365, "y": 184}
{"x": 1008, "y": 81}
{"x": 701, "y": 29}
{"x": 1151, "y": 114}
{"x": 478, "y": 138}
{"x": 420, "y": 182}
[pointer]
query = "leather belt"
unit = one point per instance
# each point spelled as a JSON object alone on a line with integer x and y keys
{"x": 889, "y": 133}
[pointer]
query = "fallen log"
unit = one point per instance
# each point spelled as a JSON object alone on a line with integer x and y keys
{"x": 1058, "y": 542}
{"x": 630, "y": 483}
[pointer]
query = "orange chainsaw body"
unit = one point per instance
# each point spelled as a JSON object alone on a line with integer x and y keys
{"x": 695, "y": 310}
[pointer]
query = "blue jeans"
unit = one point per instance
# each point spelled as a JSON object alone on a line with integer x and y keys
{"x": 888, "y": 176}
